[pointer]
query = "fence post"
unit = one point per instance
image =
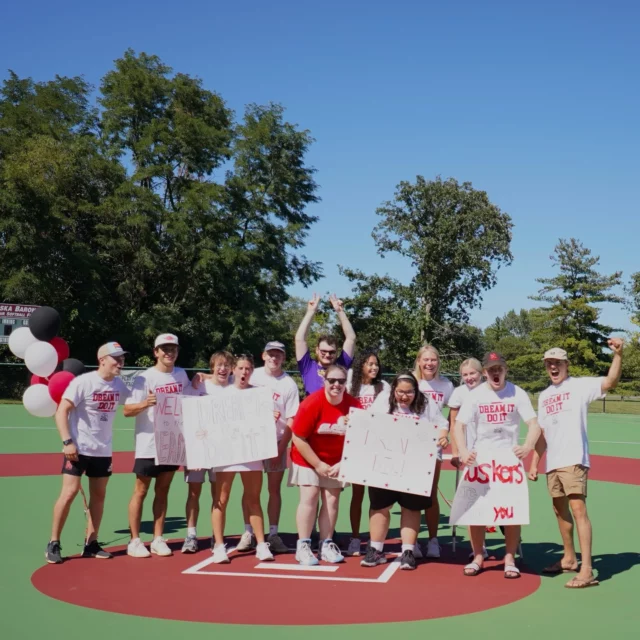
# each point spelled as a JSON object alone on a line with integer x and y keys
{"x": 604, "y": 404}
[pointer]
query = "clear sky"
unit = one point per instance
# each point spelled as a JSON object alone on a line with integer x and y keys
{"x": 535, "y": 102}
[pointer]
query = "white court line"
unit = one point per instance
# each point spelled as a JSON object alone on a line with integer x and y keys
{"x": 296, "y": 567}
{"x": 52, "y": 428}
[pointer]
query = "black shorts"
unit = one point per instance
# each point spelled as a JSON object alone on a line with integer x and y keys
{"x": 147, "y": 467}
{"x": 383, "y": 498}
{"x": 93, "y": 467}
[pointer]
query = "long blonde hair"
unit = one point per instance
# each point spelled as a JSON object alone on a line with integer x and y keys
{"x": 417, "y": 372}
{"x": 474, "y": 363}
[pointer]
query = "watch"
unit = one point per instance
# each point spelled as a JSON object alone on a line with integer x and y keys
{"x": 66, "y": 442}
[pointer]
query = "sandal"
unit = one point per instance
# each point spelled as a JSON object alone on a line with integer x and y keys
{"x": 557, "y": 568}
{"x": 511, "y": 568}
{"x": 581, "y": 583}
{"x": 472, "y": 569}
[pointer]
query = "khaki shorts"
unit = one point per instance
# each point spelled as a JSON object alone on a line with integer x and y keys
{"x": 307, "y": 477}
{"x": 568, "y": 481}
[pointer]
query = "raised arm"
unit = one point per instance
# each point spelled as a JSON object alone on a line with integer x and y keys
{"x": 349, "y": 345}
{"x": 303, "y": 329}
{"x": 615, "y": 370}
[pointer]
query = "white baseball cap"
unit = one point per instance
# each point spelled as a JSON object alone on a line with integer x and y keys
{"x": 166, "y": 338}
{"x": 111, "y": 349}
{"x": 555, "y": 354}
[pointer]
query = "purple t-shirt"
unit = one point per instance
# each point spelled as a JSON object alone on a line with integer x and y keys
{"x": 311, "y": 370}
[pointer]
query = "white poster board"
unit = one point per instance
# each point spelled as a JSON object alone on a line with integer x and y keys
{"x": 229, "y": 429}
{"x": 492, "y": 492}
{"x": 389, "y": 452}
{"x": 167, "y": 429}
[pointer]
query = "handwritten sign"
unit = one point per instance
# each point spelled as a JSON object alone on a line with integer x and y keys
{"x": 389, "y": 452}
{"x": 167, "y": 429}
{"x": 493, "y": 492}
{"x": 229, "y": 429}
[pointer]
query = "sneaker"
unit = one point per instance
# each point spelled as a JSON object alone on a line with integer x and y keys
{"x": 331, "y": 553}
{"x": 373, "y": 558}
{"x": 304, "y": 555}
{"x": 160, "y": 548}
{"x": 276, "y": 545}
{"x": 53, "y": 554}
{"x": 247, "y": 542}
{"x": 485, "y": 554}
{"x": 417, "y": 552}
{"x": 136, "y": 549}
{"x": 220, "y": 554}
{"x": 263, "y": 552}
{"x": 354, "y": 547}
{"x": 94, "y": 550}
{"x": 408, "y": 561}
{"x": 433, "y": 548}
{"x": 190, "y": 545}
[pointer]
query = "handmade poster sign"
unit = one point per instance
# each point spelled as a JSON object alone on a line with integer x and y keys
{"x": 493, "y": 492}
{"x": 167, "y": 429}
{"x": 230, "y": 429}
{"x": 389, "y": 452}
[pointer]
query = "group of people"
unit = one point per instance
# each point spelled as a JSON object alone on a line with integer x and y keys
{"x": 314, "y": 431}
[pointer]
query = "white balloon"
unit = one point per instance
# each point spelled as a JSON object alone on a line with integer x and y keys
{"x": 41, "y": 358}
{"x": 38, "y": 402}
{"x": 20, "y": 340}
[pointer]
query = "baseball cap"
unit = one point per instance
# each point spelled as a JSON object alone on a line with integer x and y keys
{"x": 274, "y": 344}
{"x": 111, "y": 349}
{"x": 493, "y": 359}
{"x": 555, "y": 354}
{"x": 165, "y": 338}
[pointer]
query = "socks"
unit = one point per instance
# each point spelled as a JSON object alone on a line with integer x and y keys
{"x": 191, "y": 531}
{"x": 408, "y": 547}
{"x": 378, "y": 546}
{"x": 249, "y": 528}
{"x": 273, "y": 529}
{"x": 301, "y": 540}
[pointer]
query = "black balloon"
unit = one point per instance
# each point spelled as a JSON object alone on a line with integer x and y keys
{"x": 74, "y": 366}
{"x": 44, "y": 323}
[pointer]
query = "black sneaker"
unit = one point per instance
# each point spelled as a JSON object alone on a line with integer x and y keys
{"x": 407, "y": 561}
{"x": 94, "y": 550}
{"x": 53, "y": 554}
{"x": 373, "y": 558}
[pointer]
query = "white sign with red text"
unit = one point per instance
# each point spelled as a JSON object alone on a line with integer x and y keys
{"x": 398, "y": 453}
{"x": 167, "y": 429}
{"x": 492, "y": 492}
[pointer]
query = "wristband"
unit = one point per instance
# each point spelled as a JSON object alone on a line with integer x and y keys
{"x": 67, "y": 442}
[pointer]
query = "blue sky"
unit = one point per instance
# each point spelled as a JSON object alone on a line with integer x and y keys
{"x": 536, "y": 103}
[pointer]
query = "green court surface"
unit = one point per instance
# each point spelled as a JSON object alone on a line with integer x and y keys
{"x": 608, "y": 610}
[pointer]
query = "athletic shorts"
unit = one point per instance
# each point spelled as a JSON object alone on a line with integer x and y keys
{"x": 383, "y": 498}
{"x": 199, "y": 476}
{"x": 147, "y": 467}
{"x": 568, "y": 481}
{"x": 93, "y": 467}
{"x": 279, "y": 465}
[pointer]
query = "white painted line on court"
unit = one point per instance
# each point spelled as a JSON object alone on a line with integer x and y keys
{"x": 53, "y": 428}
{"x": 296, "y": 567}
{"x": 283, "y": 576}
{"x": 204, "y": 563}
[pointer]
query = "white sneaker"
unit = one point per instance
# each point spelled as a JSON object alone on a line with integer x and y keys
{"x": 160, "y": 548}
{"x": 331, "y": 553}
{"x": 136, "y": 549}
{"x": 263, "y": 552}
{"x": 417, "y": 551}
{"x": 305, "y": 556}
{"x": 354, "y": 547}
{"x": 220, "y": 554}
{"x": 433, "y": 548}
{"x": 247, "y": 542}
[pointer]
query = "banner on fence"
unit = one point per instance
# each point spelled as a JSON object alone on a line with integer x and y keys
{"x": 229, "y": 429}
{"x": 492, "y": 492}
{"x": 389, "y": 452}
{"x": 168, "y": 429}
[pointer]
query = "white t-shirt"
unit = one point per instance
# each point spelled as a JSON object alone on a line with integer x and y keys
{"x": 95, "y": 401}
{"x": 458, "y": 397}
{"x": 562, "y": 413}
{"x": 153, "y": 381}
{"x": 496, "y": 414}
{"x": 286, "y": 397}
{"x": 367, "y": 393}
{"x": 439, "y": 390}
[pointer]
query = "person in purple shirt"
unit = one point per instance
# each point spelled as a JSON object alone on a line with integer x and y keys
{"x": 312, "y": 371}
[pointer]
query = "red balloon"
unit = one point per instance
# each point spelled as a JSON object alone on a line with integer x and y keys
{"x": 58, "y": 384}
{"x": 61, "y": 347}
{"x": 39, "y": 379}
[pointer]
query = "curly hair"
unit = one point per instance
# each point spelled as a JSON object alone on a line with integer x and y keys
{"x": 419, "y": 401}
{"x": 357, "y": 373}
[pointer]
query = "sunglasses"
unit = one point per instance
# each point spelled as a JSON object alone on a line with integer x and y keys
{"x": 340, "y": 381}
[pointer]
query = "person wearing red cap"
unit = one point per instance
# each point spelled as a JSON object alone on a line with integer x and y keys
{"x": 562, "y": 410}
{"x": 85, "y": 423}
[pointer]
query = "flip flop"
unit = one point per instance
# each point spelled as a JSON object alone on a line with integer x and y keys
{"x": 472, "y": 569}
{"x": 557, "y": 568}
{"x": 581, "y": 583}
{"x": 511, "y": 568}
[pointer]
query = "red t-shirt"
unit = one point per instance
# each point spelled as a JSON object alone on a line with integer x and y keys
{"x": 319, "y": 423}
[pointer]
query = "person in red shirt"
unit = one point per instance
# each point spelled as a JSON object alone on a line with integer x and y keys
{"x": 318, "y": 438}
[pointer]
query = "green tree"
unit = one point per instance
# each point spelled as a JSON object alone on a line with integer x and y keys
{"x": 633, "y": 297}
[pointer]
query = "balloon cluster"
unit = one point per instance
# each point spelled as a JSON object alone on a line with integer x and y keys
{"x": 47, "y": 358}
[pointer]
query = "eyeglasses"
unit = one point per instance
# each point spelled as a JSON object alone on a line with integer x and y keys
{"x": 405, "y": 393}
{"x": 340, "y": 381}
{"x": 331, "y": 352}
